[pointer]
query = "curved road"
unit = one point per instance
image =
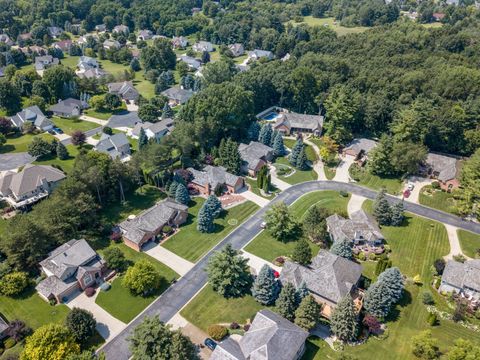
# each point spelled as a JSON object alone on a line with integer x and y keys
{"x": 180, "y": 293}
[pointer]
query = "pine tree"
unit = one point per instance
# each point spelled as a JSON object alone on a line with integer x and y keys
{"x": 287, "y": 302}
{"x": 266, "y": 288}
{"x": 215, "y": 205}
{"x": 254, "y": 131}
{"x": 172, "y": 189}
{"x": 302, "y": 291}
{"x": 181, "y": 195}
{"x": 262, "y": 177}
{"x": 61, "y": 151}
{"x": 394, "y": 280}
{"x": 205, "y": 219}
{"x": 278, "y": 146}
{"x": 167, "y": 112}
{"x": 342, "y": 248}
{"x": 385, "y": 292}
{"x": 265, "y": 134}
{"x": 397, "y": 214}
{"x": 142, "y": 139}
{"x": 301, "y": 162}
{"x": 302, "y": 253}
{"x": 381, "y": 209}
{"x": 234, "y": 161}
{"x": 343, "y": 322}
{"x": 297, "y": 148}
{"x": 275, "y": 133}
{"x": 308, "y": 313}
{"x": 382, "y": 265}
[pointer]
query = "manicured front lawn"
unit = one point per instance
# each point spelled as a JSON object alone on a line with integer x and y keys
{"x": 469, "y": 242}
{"x": 299, "y": 176}
{"x": 208, "y": 308}
{"x": 311, "y": 154}
{"x": 365, "y": 178}
{"x": 70, "y": 125}
{"x": 268, "y": 248}
{"x": 254, "y": 188}
{"x": 20, "y": 143}
{"x": 437, "y": 199}
{"x": 190, "y": 244}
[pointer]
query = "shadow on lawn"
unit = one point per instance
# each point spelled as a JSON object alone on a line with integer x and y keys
{"x": 405, "y": 301}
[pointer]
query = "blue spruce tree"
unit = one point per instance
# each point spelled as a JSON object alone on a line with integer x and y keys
{"x": 266, "y": 288}
{"x": 181, "y": 195}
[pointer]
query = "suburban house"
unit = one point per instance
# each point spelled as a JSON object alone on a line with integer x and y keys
{"x": 179, "y": 42}
{"x": 270, "y": 337}
{"x": 443, "y": 168}
{"x": 462, "y": 278}
{"x": 289, "y": 122}
{"x": 30, "y": 185}
{"x": 3, "y": 328}
{"x": 63, "y": 45}
{"x": 329, "y": 278}
{"x": 359, "y": 149}
{"x": 140, "y": 229}
{"x": 54, "y": 31}
{"x": 116, "y": 146}
{"x": 125, "y": 89}
{"x": 33, "y": 50}
{"x": 72, "y": 267}
{"x": 5, "y": 39}
{"x": 44, "y": 62}
{"x": 192, "y": 63}
{"x": 111, "y": 44}
{"x": 86, "y": 63}
{"x": 34, "y": 115}
{"x": 124, "y": 121}
{"x": 259, "y": 54}
{"x": 361, "y": 229}
{"x": 121, "y": 29}
{"x": 93, "y": 73}
{"x": 215, "y": 179}
{"x": 100, "y": 28}
{"x": 236, "y": 49}
{"x": 202, "y": 46}
{"x": 154, "y": 130}
{"x": 68, "y": 108}
{"x": 144, "y": 35}
{"x": 177, "y": 96}
{"x": 254, "y": 156}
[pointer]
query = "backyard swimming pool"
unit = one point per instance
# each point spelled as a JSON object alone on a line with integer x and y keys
{"x": 271, "y": 116}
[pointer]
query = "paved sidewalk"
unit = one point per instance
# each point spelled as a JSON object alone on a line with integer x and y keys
{"x": 455, "y": 248}
{"x": 280, "y": 184}
{"x": 107, "y": 325}
{"x": 93, "y": 119}
{"x": 172, "y": 260}
{"x": 257, "y": 263}
{"x": 249, "y": 195}
{"x": 342, "y": 174}
{"x": 355, "y": 204}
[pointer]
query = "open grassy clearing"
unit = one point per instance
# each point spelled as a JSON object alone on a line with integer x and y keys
{"x": 71, "y": 125}
{"x": 437, "y": 199}
{"x": 268, "y": 248}
{"x": 298, "y": 176}
{"x": 190, "y": 244}
{"x": 365, "y": 178}
{"x": 331, "y": 23}
{"x": 469, "y": 242}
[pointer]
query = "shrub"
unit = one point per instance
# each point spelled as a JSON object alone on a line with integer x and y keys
{"x": 89, "y": 291}
{"x": 167, "y": 229}
{"x": 459, "y": 258}
{"x": 234, "y": 325}
{"x": 435, "y": 185}
{"x": 13, "y": 283}
{"x": 9, "y": 343}
{"x": 427, "y": 298}
{"x": 362, "y": 256}
{"x": 387, "y": 248}
{"x": 217, "y": 332}
{"x": 246, "y": 327}
{"x": 372, "y": 256}
{"x": 116, "y": 237}
{"x": 343, "y": 193}
{"x": 280, "y": 260}
{"x": 432, "y": 319}
{"x": 437, "y": 283}
{"x": 115, "y": 258}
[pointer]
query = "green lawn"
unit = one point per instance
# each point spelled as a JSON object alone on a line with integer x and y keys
{"x": 299, "y": 176}
{"x": 317, "y": 349}
{"x": 437, "y": 199}
{"x": 311, "y": 154}
{"x": 363, "y": 177}
{"x": 268, "y": 248}
{"x": 20, "y": 143}
{"x": 332, "y": 24}
{"x": 190, "y": 244}
{"x": 254, "y": 188}
{"x": 70, "y": 125}
{"x": 66, "y": 165}
{"x": 119, "y": 302}
{"x": 208, "y": 308}
{"x": 469, "y": 242}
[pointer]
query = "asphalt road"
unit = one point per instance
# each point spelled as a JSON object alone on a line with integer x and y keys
{"x": 180, "y": 293}
{"x": 88, "y": 133}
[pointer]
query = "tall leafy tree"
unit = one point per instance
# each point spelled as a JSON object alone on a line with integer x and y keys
{"x": 280, "y": 223}
{"x": 344, "y": 322}
{"x": 469, "y": 193}
{"x": 314, "y": 224}
{"x": 266, "y": 288}
{"x": 379, "y": 162}
{"x": 287, "y": 302}
{"x": 302, "y": 253}
{"x": 81, "y": 323}
{"x": 142, "y": 278}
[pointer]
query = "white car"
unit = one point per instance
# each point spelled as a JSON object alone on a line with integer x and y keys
{"x": 410, "y": 186}
{"x": 263, "y": 225}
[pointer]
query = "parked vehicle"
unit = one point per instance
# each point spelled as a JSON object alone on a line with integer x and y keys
{"x": 58, "y": 130}
{"x": 410, "y": 186}
{"x": 210, "y": 344}
{"x": 263, "y": 225}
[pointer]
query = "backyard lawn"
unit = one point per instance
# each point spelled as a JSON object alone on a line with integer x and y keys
{"x": 437, "y": 199}
{"x": 332, "y": 24}
{"x": 190, "y": 244}
{"x": 20, "y": 143}
{"x": 70, "y": 125}
{"x": 363, "y": 177}
{"x": 298, "y": 176}
{"x": 469, "y": 242}
{"x": 317, "y": 349}
{"x": 268, "y": 248}
{"x": 66, "y": 165}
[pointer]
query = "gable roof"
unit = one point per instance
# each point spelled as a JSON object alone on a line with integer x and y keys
{"x": 32, "y": 114}
{"x": 156, "y": 128}
{"x": 178, "y": 94}
{"x": 359, "y": 226}
{"x": 299, "y": 121}
{"x": 124, "y": 89}
{"x": 329, "y": 276}
{"x": 463, "y": 275}
{"x": 42, "y": 62}
{"x": 362, "y": 144}
{"x": 214, "y": 176}
{"x": 113, "y": 145}
{"x": 445, "y": 166}
{"x": 257, "y": 53}
{"x": 68, "y": 106}
{"x": 127, "y": 119}
{"x": 253, "y": 153}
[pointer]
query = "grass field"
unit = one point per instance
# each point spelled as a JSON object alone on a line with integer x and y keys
{"x": 363, "y": 177}
{"x": 268, "y": 248}
{"x": 332, "y": 24}
{"x": 311, "y": 154}
{"x": 299, "y": 176}
{"x": 469, "y": 242}
{"x": 119, "y": 302}
{"x": 70, "y": 125}
{"x": 66, "y": 165}
{"x": 208, "y": 308}
{"x": 20, "y": 143}
{"x": 317, "y": 349}
{"x": 254, "y": 188}
{"x": 437, "y": 199}
{"x": 190, "y": 244}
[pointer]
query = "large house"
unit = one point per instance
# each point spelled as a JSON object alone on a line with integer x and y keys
{"x": 270, "y": 337}
{"x": 443, "y": 168}
{"x": 236, "y": 49}
{"x": 33, "y": 115}
{"x": 329, "y": 278}
{"x": 144, "y": 35}
{"x": 68, "y": 108}
{"x": 202, "y": 46}
{"x": 215, "y": 179}
{"x": 179, "y": 42}
{"x": 359, "y": 149}
{"x": 111, "y": 44}
{"x": 44, "y": 62}
{"x": 192, "y": 63}
{"x": 71, "y": 267}
{"x": 462, "y": 278}
{"x": 94, "y": 73}
{"x": 86, "y": 63}
{"x": 254, "y": 156}
{"x": 259, "y": 54}
{"x": 54, "y": 31}
{"x": 28, "y": 186}
{"x": 121, "y": 29}
{"x": 137, "y": 231}
{"x": 63, "y": 45}
{"x": 154, "y": 130}
{"x": 288, "y": 122}
{"x": 177, "y": 96}
{"x": 124, "y": 89}
{"x": 116, "y": 146}
{"x": 124, "y": 121}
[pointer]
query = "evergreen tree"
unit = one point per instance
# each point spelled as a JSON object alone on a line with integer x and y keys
{"x": 379, "y": 159}
{"x": 215, "y": 205}
{"x": 253, "y": 131}
{"x": 61, "y": 151}
{"x": 287, "y": 302}
{"x": 343, "y": 322}
{"x": 205, "y": 57}
{"x": 301, "y": 162}
{"x": 262, "y": 177}
{"x": 278, "y": 146}
{"x": 275, "y": 133}
{"x": 135, "y": 65}
{"x": 302, "y": 253}
{"x": 172, "y": 189}
{"x": 381, "y": 209}
{"x": 382, "y": 265}
{"x": 266, "y": 288}
{"x": 205, "y": 219}
{"x": 302, "y": 291}
{"x": 142, "y": 139}
{"x": 397, "y": 214}
{"x": 342, "y": 248}
{"x": 297, "y": 148}
{"x": 229, "y": 157}
{"x": 394, "y": 280}
{"x": 265, "y": 134}
{"x": 167, "y": 112}
{"x": 385, "y": 292}
{"x": 308, "y": 313}
{"x": 181, "y": 195}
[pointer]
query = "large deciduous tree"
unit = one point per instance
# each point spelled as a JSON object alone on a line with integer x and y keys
{"x": 280, "y": 223}
{"x": 142, "y": 278}
{"x": 81, "y": 323}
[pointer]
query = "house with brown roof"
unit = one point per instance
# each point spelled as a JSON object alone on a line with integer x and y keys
{"x": 254, "y": 156}
{"x": 215, "y": 179}
{"x": 145, "y": 227}
{"x": 444, "y": 169}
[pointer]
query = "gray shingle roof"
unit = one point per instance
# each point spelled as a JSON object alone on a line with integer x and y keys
{"x": 32, "y": 114}
{"x": 3, "y": 325}
{"x": 113, "y": 145}
{"x": 299, "y": 121}
{"x": 329, "y": 276}
{"x": 125, "y": 89}
{"x": 42, "y": 62}
{"x": 463, "y": 275}
{"x": 444, "y": 166}
{"x": 178, "y": 94}
{"x": 128, "y": 119}
{"x": 213, "y": 175}
{"x": 253, "y": 153}
{"x": 68, "y": 106}
{"x": 358, "y": 145}
{"x": 156, "y": 128}
{"x": 360, "y": 226}
{"x": 52, "y": 285}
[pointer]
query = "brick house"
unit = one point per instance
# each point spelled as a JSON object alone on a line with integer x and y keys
{"x": 444, "y": 169}
{"x": 254, "y": 156}
{"x": 213, "y": 179}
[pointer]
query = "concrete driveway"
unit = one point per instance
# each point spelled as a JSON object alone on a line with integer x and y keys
{"x": 249, "y": 195}
{"x": 107, "y": 326}
{"x": 342, "y": 174}
{"x": 355, "y": 204}
{"x": 12, "y": 161}
{"x": 257, "y": 263}
{"x": 455, "y": 248}
{"x": 419, "y": 183}
{"x": 172, "y": 260}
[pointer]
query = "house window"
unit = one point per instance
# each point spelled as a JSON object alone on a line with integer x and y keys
{"x": 87, "y": 279}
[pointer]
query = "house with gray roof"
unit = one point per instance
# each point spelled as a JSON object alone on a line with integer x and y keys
{"x": 259, "y": 54}
{"x": 86, "y": 62}
{"x": 154, "y": 131}
{"x": 270, "y": 337}
{"x": 462, "y": 278}
{"x": 30, "y": 185}
{"x": 5, "y": 39}
{"x": 63, "y": 45}
{"x": 215, "y": 179}
{"x": 100, "y": 28}
{"x": 124, "y": 89}
{"x": 329, "y": 278}
{"x": 202, "y": 46}
{"x": 140, "y": 229}
{"x": 443, "y": 168}
{"x": 125, "y": 120}
{"x": 121, "y": 29}
{"x": 359, "y": 149}
{"x": 289, "y": 122}
{"x": 71, "y": 267}
{"x": 177, "y": 96}
{"x": 144, "y": 35}
{"x": 93, "y": 73}
{"x": 44, "y": 62}
{"x": 192, "y": 63}
{"x": 254, "y": 156}
{"x": 111, "y": 44}
{"x": 68, "y": 108}
{"x": 3, "y": 328}
{"x": 54, "y": 31}
{"x": 236, "y": 49}
{"x": 116, "y": 146}
{"x": 179, "y": 42}
{"x": 33, "y": 115}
